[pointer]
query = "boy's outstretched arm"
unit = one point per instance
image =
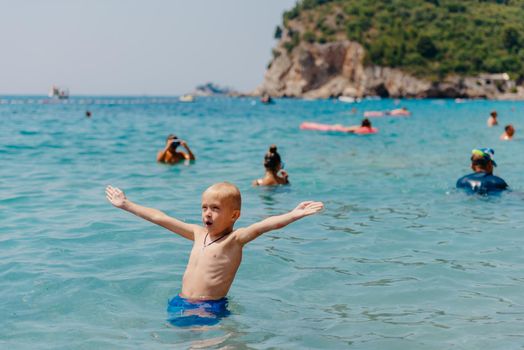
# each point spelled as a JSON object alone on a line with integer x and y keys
{"x": 249, "y": 233}
{"x": 117, "y": 197}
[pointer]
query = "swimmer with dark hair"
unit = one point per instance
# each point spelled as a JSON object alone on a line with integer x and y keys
{"x": 275, "y": 173}
{"x": 492, "y": 120}
{"x": 482, "y": 180}
{"x": 364, "y": 128}
{"x": 266, "y": 99}
{"x": 170, "y": 155}
{"x": 509, "y": 131}
{"x": 365, "y": 123}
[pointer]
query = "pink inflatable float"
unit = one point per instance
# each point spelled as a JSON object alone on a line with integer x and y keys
{"x": 362, "y": 130}
{"x": 368, "y": 114}
{"x": 400, "y": 112}
{"x": 338, "y": 128}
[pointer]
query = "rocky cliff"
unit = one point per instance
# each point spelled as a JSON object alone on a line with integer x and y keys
{"x": 313, "y": 70}
{"x": 399, "y": 48}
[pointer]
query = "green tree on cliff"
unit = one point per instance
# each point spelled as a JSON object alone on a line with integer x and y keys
{"x": 424, "y": 37}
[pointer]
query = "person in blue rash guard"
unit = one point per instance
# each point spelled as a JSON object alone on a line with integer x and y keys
{"x": 482, "y": 180}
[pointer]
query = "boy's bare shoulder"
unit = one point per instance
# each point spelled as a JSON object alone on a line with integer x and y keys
{"x": 199, "y": 230}
{"x": 236, "y": 233}
{"x": 237, "y": 230}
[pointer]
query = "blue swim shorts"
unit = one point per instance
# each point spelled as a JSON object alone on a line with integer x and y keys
{"x": 182, "y": 313}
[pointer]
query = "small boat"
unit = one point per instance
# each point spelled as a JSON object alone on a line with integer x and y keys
{"x": 187, "y": 98}
{"x": 59, "y": 93}
{"x": 347, "y": 99}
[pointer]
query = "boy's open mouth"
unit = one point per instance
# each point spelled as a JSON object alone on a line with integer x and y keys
{"x": 208, "y": 222}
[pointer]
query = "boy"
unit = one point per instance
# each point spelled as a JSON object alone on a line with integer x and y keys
{"x": 217, "y": 248}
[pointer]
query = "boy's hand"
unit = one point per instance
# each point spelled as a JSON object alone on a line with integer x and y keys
{"x": 308, "y": 208}
{"x": 115, "y": 196}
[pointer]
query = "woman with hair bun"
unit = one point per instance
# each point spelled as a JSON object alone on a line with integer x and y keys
{"x": 275, "y": 173}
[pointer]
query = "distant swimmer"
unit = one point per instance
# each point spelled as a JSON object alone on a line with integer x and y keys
{"x": 400, "y": 112}
{"x": 275, "y": 173}
{"x": 266, "y": 99}
{"x": 365, "y": 127}
{"x": 482, "y": 180}
{"x": 492, "y": 120}
{"x": 170, "y": 155}
{"x": 88, "y": 114}
{"x": 509, "y": 131}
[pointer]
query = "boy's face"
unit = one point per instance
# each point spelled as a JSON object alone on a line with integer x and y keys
{"x": 217, "y": 213}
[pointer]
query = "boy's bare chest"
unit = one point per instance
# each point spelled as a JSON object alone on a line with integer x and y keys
{"x": 215, "y": 254}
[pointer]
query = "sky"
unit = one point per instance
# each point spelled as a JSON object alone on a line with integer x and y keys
{"x": 132, "y": 47}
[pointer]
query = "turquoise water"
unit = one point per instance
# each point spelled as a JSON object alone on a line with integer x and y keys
{"x": 398, "y": 260}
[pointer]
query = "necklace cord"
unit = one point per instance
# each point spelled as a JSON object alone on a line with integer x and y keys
{"x": 218, "y": 239}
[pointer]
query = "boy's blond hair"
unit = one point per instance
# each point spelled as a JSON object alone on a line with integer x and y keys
{"x": 227, "y": 192}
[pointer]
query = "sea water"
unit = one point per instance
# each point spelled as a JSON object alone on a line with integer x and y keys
{"x": 399, "y": 259}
